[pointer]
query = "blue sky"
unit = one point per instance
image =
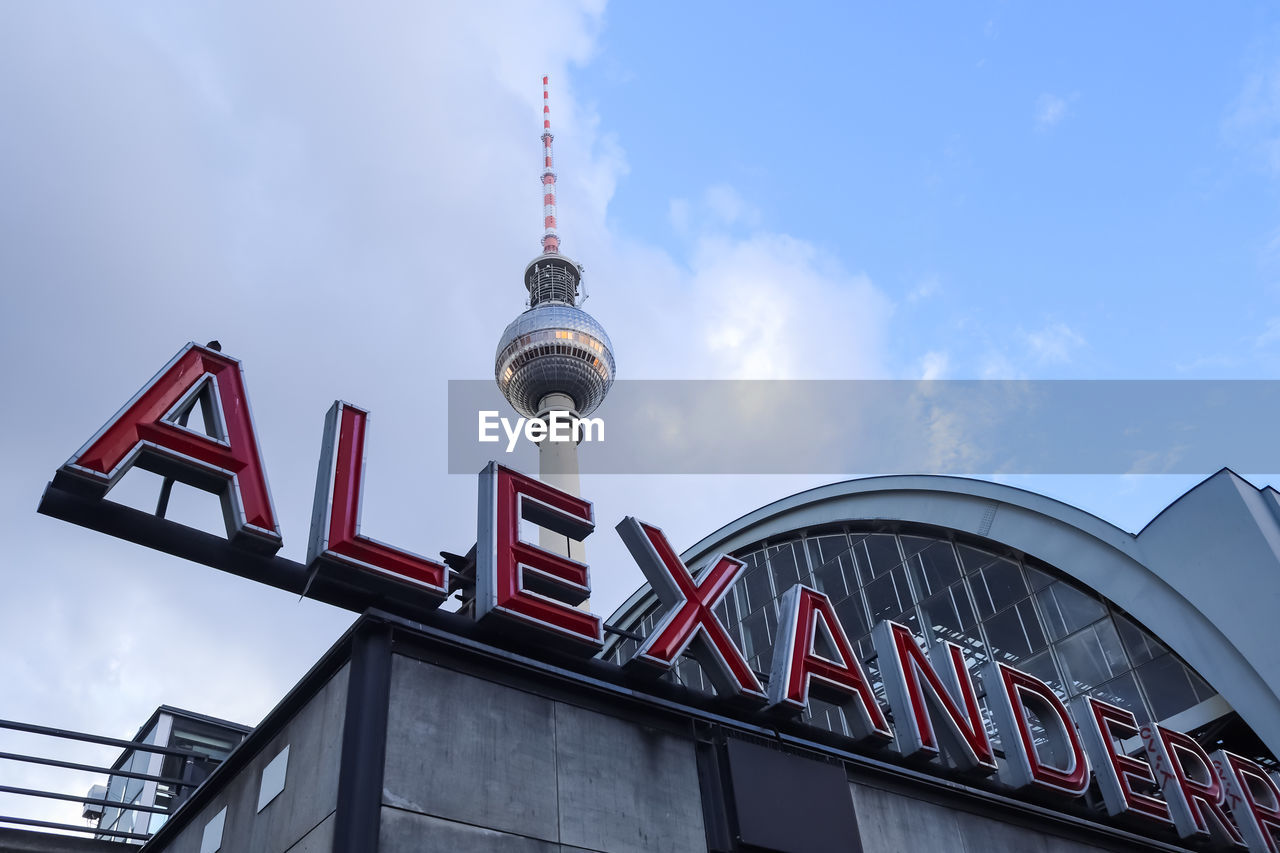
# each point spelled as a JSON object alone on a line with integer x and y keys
{"x": 346, "y": 195}
{"x": 1102, "y": 175}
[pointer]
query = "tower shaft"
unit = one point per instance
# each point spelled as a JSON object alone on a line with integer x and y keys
{"x": 558, "y": 467}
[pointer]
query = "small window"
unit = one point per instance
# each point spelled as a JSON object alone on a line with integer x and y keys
{"x": 211, "y": 840}
{"x": 273, "y": 777}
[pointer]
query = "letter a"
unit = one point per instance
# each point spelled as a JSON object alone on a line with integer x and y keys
{"x": 150, "y": 432}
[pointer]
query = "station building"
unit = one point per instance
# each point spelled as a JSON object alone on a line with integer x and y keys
{"x": 437, "y": 733}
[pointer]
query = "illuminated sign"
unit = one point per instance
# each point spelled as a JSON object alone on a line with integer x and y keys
{"x": 1222, "y": 799}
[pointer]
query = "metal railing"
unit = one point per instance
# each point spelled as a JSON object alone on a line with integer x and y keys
{"x": 181, "y": 786}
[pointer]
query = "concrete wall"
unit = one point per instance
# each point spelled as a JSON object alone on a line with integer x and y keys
{"x": 506, "y": 760}
{"x": 890, "y": 822}
{"x": 300, "y": 818}
{"x": 473, "y": 765}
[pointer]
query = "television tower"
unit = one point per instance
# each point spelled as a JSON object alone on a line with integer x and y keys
{"x": 554, "y": 357}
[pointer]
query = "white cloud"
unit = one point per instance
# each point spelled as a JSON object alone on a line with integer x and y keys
{"x": 1270, "y": 334}
{"x": 1253, "y": 119}
{"x": 926, "y": 289}
{"x": 718, "y": 208}
{"x": 678, "y": 215}
{"x": 728, "y": 207}
{"x": 934, "y": 365}
{"x": 997, "y": 365}
{"x": 774, "y": 307}
{"x": 1056, "y": 343}
{"x": 348, "y": 213}
{"x": 1050, "y": 111}
{"x": 345, "y": 197}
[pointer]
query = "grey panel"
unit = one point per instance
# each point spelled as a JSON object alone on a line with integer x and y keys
{"x": 469, "y": 750}
{"x": 982, "y": 835}
{"x": 310, "y": 793}
{"x": 624, "y": 787}
{"x": 892, "y": 823}
{"x": 789, "y": 803}
{"x": 410, "y": 832}
{"x": 318, "y": 840}
{"x": 1053, "y": 844}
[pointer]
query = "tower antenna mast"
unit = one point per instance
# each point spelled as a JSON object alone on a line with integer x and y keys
{"x": 550, "y": 240}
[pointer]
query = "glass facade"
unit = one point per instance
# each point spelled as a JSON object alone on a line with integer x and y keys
{"x": 996, "y": 605}
{"x": 207, "y": 741}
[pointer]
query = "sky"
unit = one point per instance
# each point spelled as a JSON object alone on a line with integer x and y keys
{"x": 345, "y": 196}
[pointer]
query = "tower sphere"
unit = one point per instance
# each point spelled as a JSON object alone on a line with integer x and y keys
{"x": 554, "y": 348}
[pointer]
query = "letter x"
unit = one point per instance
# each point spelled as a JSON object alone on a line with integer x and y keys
{"x": 689, "y": 622}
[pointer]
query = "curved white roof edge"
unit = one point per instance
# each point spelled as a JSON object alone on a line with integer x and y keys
{"x": 1203, "y": 576}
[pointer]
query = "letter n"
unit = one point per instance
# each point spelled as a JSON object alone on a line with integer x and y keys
{"x": 934, "y": 705}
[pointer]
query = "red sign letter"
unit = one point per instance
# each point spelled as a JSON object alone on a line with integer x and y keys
{"x": 1102, "y": 726}
{"x": 522, "y": 583}
{"x": 1253, "y": 800}
{"x": 917, "y": 693}
{"x": 1191, "y": 785}
{"x": 1009, "y": 692}
{"x": 335, "y": 521}
{"x": 834, "y": 673}
{"x": 689, "y": 623}
{"x": 149, "y": 432}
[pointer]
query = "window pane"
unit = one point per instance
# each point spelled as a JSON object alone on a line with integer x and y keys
{"x": 783, "y": 563}
{"x": 755, "y": 635}
{"x": 764, "y": 660}
{"x": 852, "y": 616}
{"x": 727, "y": 612}
{"x": 1168, "y": 687}
{"x": 1043, "y": 668}
{"x": 689, "y": 674}
{"x": 1203, "y": 689}
{"x": 1038, "y": 579}
{"x": 974, "y": 559}
{"x": 997, "y": 586}
{"x": 949, "y": 616}
{"x": 1123, "y": 691}
{"x": 756, "y": 583}
{"x": 1067, "y": 609}
{"x": 832, "y": 564}
{"x": 912, "y": 545}
{"x": 934, "y": 566}
{"x": 879, "y": 553}
{"x": 1014, "y": 634}
{"x": 1141, "y": 646}
{"x": 1091, "y": 657}
{"x": 888, "y": 595}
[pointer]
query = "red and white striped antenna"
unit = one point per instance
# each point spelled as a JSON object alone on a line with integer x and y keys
{"x": 550, "y": 240}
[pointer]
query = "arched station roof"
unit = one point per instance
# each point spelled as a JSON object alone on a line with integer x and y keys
{"x": 1204, "y": 576}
